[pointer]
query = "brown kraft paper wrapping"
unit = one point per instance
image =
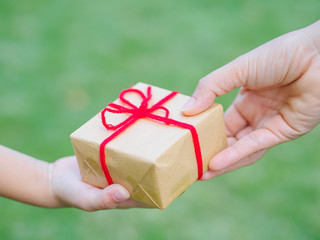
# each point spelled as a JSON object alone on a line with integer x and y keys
{"x": 154, "y": 161}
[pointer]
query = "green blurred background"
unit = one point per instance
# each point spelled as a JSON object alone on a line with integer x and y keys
{"x": 63, "y": 61}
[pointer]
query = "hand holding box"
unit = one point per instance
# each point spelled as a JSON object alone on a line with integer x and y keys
{"x": 153, "y": 157}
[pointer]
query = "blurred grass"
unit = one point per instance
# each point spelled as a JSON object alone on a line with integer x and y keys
{"x": 63, "y": 61}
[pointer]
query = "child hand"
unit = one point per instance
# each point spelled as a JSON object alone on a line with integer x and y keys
{"x": 69, "y": 190}
{"x": 54, "y": 185}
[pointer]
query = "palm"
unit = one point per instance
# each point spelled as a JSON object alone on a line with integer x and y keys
{"x": 258, "y": 120}
{"x": 70, "y": 189}
{"x": 280, "y": 100}
{"x": 250, "y": 111}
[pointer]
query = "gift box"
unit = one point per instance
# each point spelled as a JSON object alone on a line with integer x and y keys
{"x": 143, "y": 142}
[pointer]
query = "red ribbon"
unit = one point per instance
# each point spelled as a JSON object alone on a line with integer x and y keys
{"x": 143, "y": 112}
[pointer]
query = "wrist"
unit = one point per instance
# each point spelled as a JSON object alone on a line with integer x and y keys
{"x": 54, "y": 199}
{"x": 45, "y": 193}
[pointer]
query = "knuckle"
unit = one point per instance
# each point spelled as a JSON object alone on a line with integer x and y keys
{"x": 203, "y": 82}
{"x": 87, "y": 207}
{"x": 212, "y": 86}
{"x": 206, "y": 83}
{"x": 241, "y": 69}
{"x": 255, "y": 140}
{"x": 204, "y": 90}
{"x": 107, "y": 202}
{"x": 252, "y": 160}
{"x": 98, "y": 203}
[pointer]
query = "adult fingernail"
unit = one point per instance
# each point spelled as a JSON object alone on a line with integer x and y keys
{"x": 121, "y": 195}
{"x": 189, "y": 104}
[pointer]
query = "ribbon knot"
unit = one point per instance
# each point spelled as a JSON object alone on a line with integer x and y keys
{"x": 143, "y": 111}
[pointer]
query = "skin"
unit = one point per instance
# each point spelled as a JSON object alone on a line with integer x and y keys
{"x": 278, "y": 101}
{"x": 55, "y": 185}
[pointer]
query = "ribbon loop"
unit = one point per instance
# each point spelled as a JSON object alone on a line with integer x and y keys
{"x": 143, "y": 112}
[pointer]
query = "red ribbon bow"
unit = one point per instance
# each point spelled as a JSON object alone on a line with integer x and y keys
{"x": 143, "y": 111}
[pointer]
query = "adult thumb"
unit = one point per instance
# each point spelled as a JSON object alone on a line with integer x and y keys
{"x": 217, "y": 83}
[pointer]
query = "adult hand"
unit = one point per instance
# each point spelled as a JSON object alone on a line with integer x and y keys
{"x": 279, "y": 98}
{"x": 69, "y": 190}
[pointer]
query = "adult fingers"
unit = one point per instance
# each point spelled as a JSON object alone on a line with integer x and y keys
{"x": 217, "y": 83}
{"x": 234, "y": 121}
{"x": 242, "y": 163}
{"x": 255, "y": 141}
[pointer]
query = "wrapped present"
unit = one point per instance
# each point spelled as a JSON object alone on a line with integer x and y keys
{"x": 143, "y": 142}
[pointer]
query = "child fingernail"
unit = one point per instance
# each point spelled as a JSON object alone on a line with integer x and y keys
{"x": 206, "y": 176}
{"x": 189, "y": 104}
{"x": 121, "y": 195}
